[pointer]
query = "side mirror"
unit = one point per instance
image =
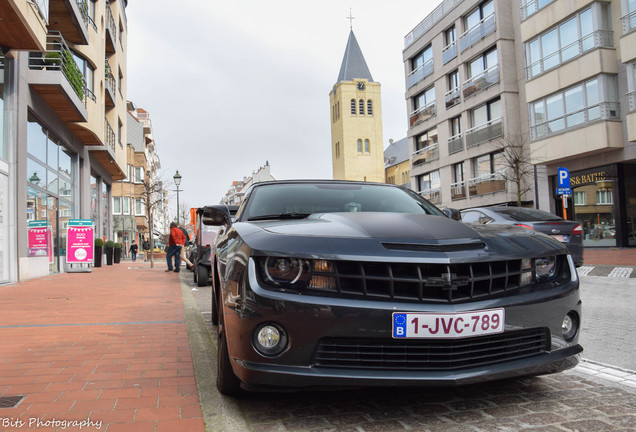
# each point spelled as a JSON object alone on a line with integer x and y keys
{"x": 452, "y": 213}
{"x": 216, "y": 215}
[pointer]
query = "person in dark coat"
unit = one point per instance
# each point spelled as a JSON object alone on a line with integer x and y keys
{"x": 133, "y": 250}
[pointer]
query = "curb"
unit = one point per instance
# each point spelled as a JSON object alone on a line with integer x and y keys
{"x": 220, "y": 413}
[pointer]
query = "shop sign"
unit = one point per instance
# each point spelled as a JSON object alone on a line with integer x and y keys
{"x": 588, "y": 178}
{"x": 79, "y": 241}
{"x": 40, "y": 239}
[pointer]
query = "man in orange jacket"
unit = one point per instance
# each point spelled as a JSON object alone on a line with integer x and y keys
{"x": 175, "y": 243}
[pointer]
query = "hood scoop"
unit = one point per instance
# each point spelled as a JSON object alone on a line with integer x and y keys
{"x": 448, "y": 247}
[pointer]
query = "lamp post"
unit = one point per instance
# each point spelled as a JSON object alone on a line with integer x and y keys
{"x": 177, "y": 182}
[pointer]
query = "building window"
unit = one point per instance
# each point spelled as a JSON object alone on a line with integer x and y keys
{"x": 139, "y": 174}
{"x": 116, "y": 205}
{"x": 422, "y": 58}
{"x": 353, "y": 106}
{"x": 421, "y": 66}
{"x": 426, "y": 148}
{"x": 361, "y": 107}
{"x": 429, "y": 186}
{"x": 367, "y": 146}
{"x": 125, "y": 205}
{"x": 450, "y": 36}
{"x": 595, "y": 99}
{"x": 423, "y": 106}
{"x": 579, "y": 198}
{"x": 488, "y": 164}
{"x": 139, "y": 207}
{"x": 359, "y": 146}
{"x": 474, "y": 18}
{"x": 337, "y": 151}
{"x": 568, "y": 40}
{"x": 530, "y": 7}
{"x": 486, "y": 113}
{"x": 369, "y": 107}
{"x": 604, "y": 197}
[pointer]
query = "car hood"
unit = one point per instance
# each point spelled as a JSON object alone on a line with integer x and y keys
{"x": 392, "y": 234}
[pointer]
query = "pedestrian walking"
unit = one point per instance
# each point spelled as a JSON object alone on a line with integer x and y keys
{"x": 146, "y": 247}
{"x": 175, "y": 243}
{"x": 133, "y": 250}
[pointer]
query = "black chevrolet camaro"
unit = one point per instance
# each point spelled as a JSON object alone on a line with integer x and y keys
{"x": 322, "y": 284}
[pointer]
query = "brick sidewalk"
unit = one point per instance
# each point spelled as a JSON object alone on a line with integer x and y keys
{"x": 610, "y": 256}
{"x": 109, "y": 348}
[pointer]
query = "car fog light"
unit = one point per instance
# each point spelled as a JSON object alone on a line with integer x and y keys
{"x": 570, "y": 326}
{"x": 269, "y": 340}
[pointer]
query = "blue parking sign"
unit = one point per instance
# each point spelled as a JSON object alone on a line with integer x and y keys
{"x": 563, "y": 180}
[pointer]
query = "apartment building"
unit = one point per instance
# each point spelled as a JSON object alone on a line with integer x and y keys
{"x": 556, "y": 78}
{"x": 235, "y": 194}
{"x": 63, "y": 99}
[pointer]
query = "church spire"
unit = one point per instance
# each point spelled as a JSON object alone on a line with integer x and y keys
{"x": 353, "y": 64}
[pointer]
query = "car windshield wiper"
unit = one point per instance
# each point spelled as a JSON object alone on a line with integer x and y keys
{"x": 292, "y": 215}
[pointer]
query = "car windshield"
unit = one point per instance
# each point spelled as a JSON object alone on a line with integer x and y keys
{"x": 303, "y": 199}
{"x": 527, "y": 215}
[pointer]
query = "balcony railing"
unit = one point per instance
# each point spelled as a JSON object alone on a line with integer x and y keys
{"x": 452, "y": 97}
{"x": 110, "y": 83}
{"x": 597, "y": 39}
{"x": 109, "y": 135}
{"x": 631, "y": 96}
{"x": 629, "y": 22}
{"x": 449, "y": 52}
{"x": 485, "y": 27}
{"x": 433, "y": 195}
{"x": 488, "y": 183}
{"x": 420, "y": 73}
{"x": 438, "y": 13}
{"x": 422, "y": 114}
{"x": 485, "y": 132}
{"x": 458, "y": 190}
{"x": 111, "y": 30}
{"x": 426, "y": 154}
{"x": 455, "y": 144}
{"x": 533, "y": 6}
{"x": 602, "y": 111}
{"x": 58, "y": 57}
{"x": 480, "y": 82}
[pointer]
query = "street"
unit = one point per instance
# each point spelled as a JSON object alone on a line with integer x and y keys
{"x": 570, "y": 401}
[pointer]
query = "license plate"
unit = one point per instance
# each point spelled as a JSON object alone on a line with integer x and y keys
{"x": 429, "y": 325}
{"x": 561, "y": 238}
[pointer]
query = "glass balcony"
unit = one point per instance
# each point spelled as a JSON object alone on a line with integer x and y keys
{"x": 602, "y": 111}
{"x": 488, "y": 183}
{"x": 426, "y": 154}
{"x": 532, "y": 6}
{"x": 485, "y": 132}
{"x": 485, "y": 27}
{"x": 420, "y": 73}
{"x": 480, "y": 82}
{"x": 455, "y": 144}
{"x": 629, "y": 22}
{"x": 458, "y": 190}
{"x": 433, "y": 195}
{"x": 449, "y": 53}
{"x": 452, "y": 97}
{"x": 422, "y": 114}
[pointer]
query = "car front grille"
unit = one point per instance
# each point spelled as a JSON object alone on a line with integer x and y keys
{"x": 431, "y": 355}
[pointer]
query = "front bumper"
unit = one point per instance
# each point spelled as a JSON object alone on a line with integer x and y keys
{"x": 309, "y": 319}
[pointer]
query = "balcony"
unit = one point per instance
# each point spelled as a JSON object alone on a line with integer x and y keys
{"x": 485, "y": 27}
{"x": 531, "y": 7}
{"x": 455, "y": 144}
{"x": 426, "y": 154}
{"x": 104, "y": 152}
{"x": 70, "y": 17}
{"x": 481, "y": 82}
{"x": 629, "y": 22}
{"x": 452, "y": 97}
{"x": 458, "y": 190}
{"x": 23, "y": 25}
{"x": 111, "y": 31}
{"x": 55, "y": 76}
{"x": 110, "y": 86}
{"x": 420, "y": 73}
{"x": 449, "y": 53}
{"x": 422, "y": 114}
{"x": 485, "y": 132}
{"x": 433, "y": 195}
{"x": 489, "y": 183}
{"x": 597, "y": 39}
{"x": 602, "y": 111}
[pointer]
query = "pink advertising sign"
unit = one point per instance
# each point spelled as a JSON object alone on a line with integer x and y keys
{"x": 40, "y": 241}
{"x": 79, "y": 241}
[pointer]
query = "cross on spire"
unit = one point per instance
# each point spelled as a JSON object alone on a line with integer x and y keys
{"x": 350, "y": 18}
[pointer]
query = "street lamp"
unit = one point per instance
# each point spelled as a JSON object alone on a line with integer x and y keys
{"x": 177, "y": 182}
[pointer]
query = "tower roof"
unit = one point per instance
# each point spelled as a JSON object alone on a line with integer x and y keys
{"x": 353, "y": 64}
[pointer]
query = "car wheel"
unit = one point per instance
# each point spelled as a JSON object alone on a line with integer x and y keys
{"x": 194, "y": 274}
{"x": 203, "y": 275}
{"x": 215, "y": 312}
{"x": 226, "y": 382}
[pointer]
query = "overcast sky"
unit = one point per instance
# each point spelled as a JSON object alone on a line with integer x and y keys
{"x": 230, "y": 85}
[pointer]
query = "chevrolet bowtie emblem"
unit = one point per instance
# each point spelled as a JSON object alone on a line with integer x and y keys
{"x": 448, "y": 281}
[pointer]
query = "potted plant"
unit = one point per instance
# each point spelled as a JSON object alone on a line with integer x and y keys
{"x": 109, "y": 248}
{"x": 99, "y": 250}
{"x": 117, "y": 253}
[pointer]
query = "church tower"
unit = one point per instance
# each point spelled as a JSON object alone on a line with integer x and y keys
{"x": 357, "y": 149}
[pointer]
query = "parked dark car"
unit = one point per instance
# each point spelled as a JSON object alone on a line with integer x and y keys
{"x": 324, "y": 284}
{"x": 202, "y": 249}
{"x": 568, "y": 232}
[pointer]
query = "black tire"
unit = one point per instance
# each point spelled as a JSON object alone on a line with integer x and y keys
{"x": 194, "y": 274}
{"x": 226, "y": 382}
{"x": 203, "y": 275}
{"x": 215, "y": 311}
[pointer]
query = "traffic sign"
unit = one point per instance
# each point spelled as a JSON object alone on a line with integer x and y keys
{"x": 563, "y": 180}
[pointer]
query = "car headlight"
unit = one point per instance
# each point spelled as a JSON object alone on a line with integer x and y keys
{"x": 286, "y": 271}
{"x": 545, "y": 268}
